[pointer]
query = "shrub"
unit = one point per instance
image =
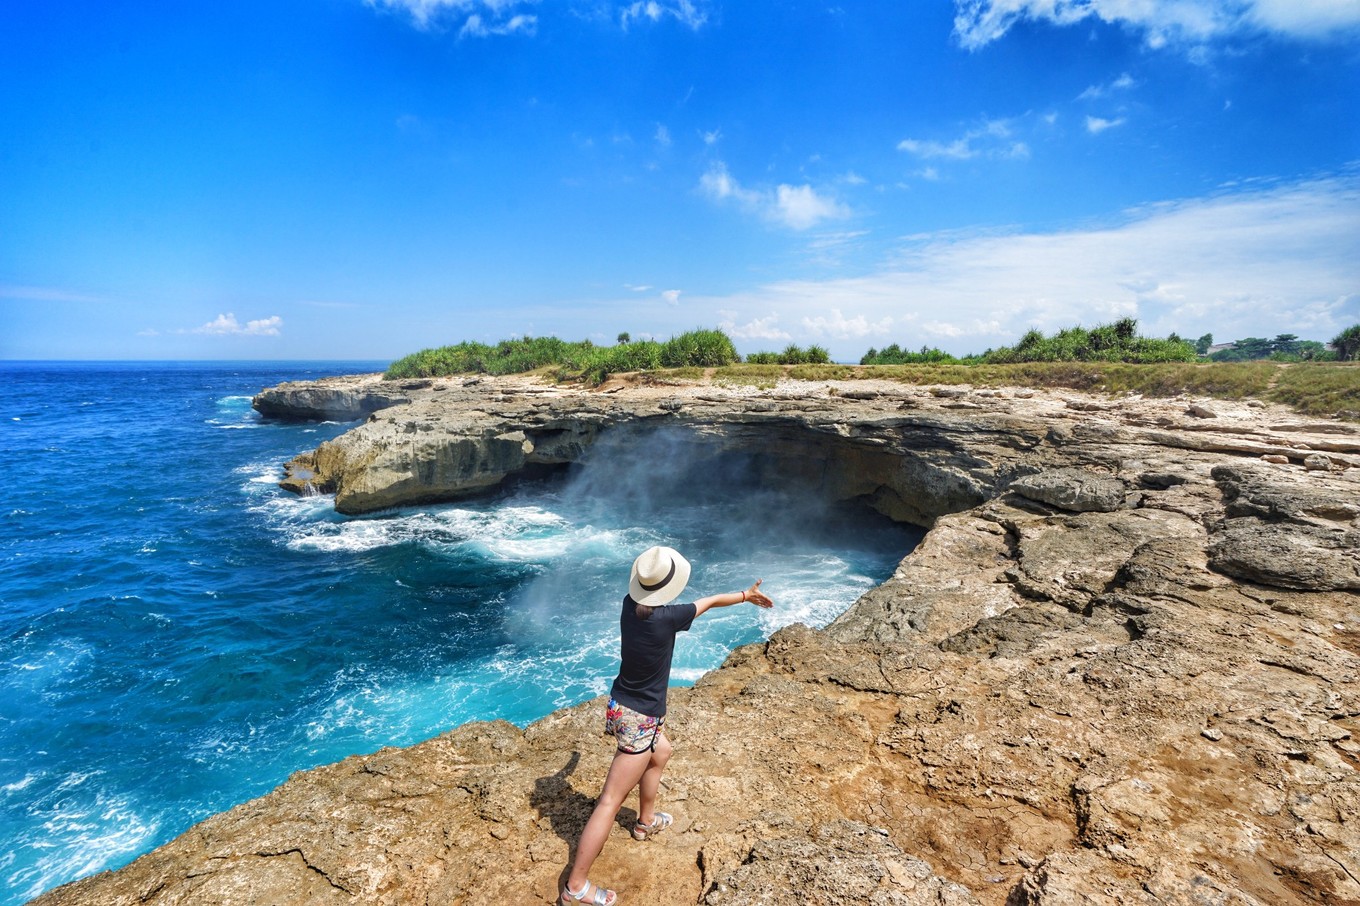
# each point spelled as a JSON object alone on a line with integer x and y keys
{"x": 895, "y": 355}
{"x": 1117, "y": 342}
{"x": 704, "y": 348}
{"x": 796, "y": 355}
{"x": 575, "y": 361}
{"x": 1347, "y": 344}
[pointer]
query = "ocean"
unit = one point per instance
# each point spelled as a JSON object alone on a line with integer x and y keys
{"x": 178, "y": 635}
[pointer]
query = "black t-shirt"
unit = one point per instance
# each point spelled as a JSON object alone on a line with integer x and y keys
{"x": 647, "y": 649}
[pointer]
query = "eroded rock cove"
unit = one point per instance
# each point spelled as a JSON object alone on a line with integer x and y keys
{"x": 1122, "y": 667}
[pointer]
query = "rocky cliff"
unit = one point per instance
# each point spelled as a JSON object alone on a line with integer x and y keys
{"x": 1123, "y": 667}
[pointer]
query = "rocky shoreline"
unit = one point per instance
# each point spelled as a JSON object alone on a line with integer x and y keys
{"x": 1123, "y": 667}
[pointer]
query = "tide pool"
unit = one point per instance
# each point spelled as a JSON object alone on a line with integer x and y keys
{"x": 177, "y": 635}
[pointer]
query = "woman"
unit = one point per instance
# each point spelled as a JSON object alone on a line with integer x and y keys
{"x": 637, "y": 706}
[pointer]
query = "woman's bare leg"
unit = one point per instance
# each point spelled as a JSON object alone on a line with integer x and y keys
{"x": 650, "y": 783}
{"x": 624, "y": 774}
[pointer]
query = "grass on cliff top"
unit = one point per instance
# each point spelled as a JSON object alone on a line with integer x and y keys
{"x": 1311, "y": 388}
{"x": 1322, "y": 389}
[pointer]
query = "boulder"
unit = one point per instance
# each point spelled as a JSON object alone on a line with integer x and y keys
{"x": 1074, "y": 490}
{"x": 1288, "y": 555}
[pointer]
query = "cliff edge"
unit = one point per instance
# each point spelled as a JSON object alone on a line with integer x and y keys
{"x": 1123, "y": 667}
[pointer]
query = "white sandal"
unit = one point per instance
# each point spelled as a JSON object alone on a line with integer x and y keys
{"x": 601, "y": 897}
{"x": 659, "y": 823}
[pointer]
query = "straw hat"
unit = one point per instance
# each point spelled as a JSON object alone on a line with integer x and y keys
{"x": 659, "y": 575}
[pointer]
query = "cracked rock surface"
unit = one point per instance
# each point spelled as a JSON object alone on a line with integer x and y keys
{"x": 1152, "y": 700}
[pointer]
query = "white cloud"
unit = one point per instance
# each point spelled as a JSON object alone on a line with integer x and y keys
{"x": 719, "y": 185}
{"x": 766, "y": 328}
{"x": 801, "y": 207}
{"x": 830, "y": 249}
{"x": 477, "y": 27}
{"x": 1255, "y": 260}
{"x": 1095, "y": 92}
{"x": 1096, "y": 125}
{"x": 663, "y": 136}
{"x": 711, "y": 138}
{"x": 796, "y": 207}
{"x": 993, "y": 139}
{"x": 671, "y": 296}
{"x": 979, "y": 22}
{"x": 835, "y": 324}
{"x": 959, "y": 149}
{"x": 686, "y": 12}
{"x": 227, "y": 326}
{"x": 481, "y": 18}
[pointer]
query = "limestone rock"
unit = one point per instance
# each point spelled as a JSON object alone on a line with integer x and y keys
{"x": 340, "y": 399}
{"x": 1073, "y": 489}
{"x": 841, "y": 863}
{"x": 1286, "y": 555}
{"x": 1317, "y": 462}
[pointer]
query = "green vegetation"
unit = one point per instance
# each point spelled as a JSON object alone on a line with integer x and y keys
{"x": 895, "y": 355}
{"x": 792, "y": 355}
{"x": 704, "y": 348}
{"x": 1319, "y": 389}
{"x": 1109, "y": 359}
{"x": 1347, "y": 344}
{"x": 1310, "y": 388}
{"x": 1286, "y": 347}
{"x": 1117, "y": 342}
{"x": 569, "y": 361}
{"x": 761, "y": 375}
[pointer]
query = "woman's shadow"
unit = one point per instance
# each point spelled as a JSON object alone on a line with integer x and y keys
{"x": 568, "y": 809}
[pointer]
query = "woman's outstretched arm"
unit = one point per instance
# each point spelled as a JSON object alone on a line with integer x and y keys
{"x": 752, "y": 595}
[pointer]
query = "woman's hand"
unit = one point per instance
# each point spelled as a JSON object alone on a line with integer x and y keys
{"x": 757, "y": 597}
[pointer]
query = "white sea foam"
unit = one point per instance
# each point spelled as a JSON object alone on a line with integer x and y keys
{"x": 19, "y": 785}
{"x": 83, "y": 834}
{"x": 526, "y": 534}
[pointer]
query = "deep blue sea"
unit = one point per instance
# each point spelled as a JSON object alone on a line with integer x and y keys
{"x": 178, "y": 635}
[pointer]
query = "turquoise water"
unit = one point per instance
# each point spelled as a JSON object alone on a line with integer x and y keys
{"x": 177, "y": 635}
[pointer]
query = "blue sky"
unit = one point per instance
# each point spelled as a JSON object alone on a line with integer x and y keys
{"x": 365, "y": 178}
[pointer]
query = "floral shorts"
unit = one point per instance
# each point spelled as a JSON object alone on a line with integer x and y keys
{"x": 635, "y": 732}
